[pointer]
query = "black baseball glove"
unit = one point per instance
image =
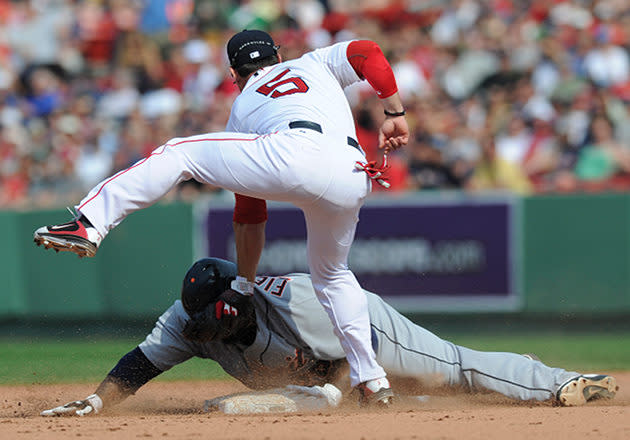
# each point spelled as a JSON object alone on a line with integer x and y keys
{"x": 230, "y": 319}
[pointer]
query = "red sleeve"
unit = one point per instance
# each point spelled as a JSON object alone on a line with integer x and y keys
{"x": 249, "y": 210}
{"x": 369, "y": 63}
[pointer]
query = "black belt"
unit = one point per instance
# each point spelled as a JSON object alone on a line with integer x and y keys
{"x": 310, "y": 125}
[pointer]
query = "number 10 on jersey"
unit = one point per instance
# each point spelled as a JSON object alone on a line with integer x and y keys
{"x": 281, "y": 86}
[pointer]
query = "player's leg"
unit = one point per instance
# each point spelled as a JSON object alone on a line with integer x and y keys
{"x": 331, "y": 224}
{"x": 330, "y": 234}
{"x": 238, "y": 162}
{"x": 408, "y": 350}
{"x": 510, "y": 374}
{"x": 148, "y": 180}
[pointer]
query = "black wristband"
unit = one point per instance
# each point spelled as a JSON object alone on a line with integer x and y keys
{"x": 388, "y": 113}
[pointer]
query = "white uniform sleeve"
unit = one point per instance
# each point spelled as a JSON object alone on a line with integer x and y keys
{"x": 232, "y": 126}
{"x": 165, "y": 346}
{"x": 336, "y": 59}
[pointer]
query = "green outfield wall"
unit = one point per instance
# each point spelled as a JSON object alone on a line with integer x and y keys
{"x": 576, "y": 253}
{"x": 136, "y": 273}
{"x": 574, "y": 259}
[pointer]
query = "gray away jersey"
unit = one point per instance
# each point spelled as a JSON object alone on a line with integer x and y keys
{"x": 294, "y": 341}
{"x": 295, "y": 344}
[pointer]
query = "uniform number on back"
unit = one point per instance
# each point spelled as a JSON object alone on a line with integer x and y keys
{"x": 280, "y": 86}
{"x": 273, "y": 285}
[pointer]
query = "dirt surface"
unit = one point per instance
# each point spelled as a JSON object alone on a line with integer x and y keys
{"x": 173, "y": 411}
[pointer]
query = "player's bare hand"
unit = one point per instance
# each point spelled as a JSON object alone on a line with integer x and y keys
{"x": 90, "y": 405}
{"x": 394, "y": 133}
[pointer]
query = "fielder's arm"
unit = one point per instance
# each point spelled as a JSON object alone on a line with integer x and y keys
{"x": 250, "y": 218}
{"x": 131, "y": 372}
{"x": 369, "y": 63}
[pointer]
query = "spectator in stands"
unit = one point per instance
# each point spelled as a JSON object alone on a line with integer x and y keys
{"x": 549, "y": 81}
{"x": 603, "y": 157}
{"x": 494, "y": 172}
{"x": 427, "y": 167}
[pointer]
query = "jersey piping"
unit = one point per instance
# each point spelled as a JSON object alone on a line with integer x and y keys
{"x": 456, "y": 363}
{"x": 160, "y": 152}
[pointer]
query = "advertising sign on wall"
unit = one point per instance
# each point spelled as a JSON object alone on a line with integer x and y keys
{"x": 418, "y": 255}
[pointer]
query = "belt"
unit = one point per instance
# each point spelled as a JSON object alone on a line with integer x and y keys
{"x": 310, "y": 125}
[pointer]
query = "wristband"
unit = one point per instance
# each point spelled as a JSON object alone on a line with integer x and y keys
{"x": 242, "y": 285}
{"x": 388, "y": 113}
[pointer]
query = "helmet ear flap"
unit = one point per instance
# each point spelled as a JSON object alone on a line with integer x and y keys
{"x": 204, "y": 282}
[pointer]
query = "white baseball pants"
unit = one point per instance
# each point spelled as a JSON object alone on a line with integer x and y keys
{"x": 313, "y": 171}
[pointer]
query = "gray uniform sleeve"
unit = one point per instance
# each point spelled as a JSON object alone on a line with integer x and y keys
{"x": 165, "y": 346}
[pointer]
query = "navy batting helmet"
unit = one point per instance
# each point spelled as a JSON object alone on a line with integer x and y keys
{"x": 205, "y": 281}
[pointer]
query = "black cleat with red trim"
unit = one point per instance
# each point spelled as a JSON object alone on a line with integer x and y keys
{"x": 78, "y": 236}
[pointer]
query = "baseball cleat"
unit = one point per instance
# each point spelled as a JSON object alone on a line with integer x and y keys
{"x": 581, "y": 389}
{"x": 375, "y": 392}
{"x": 78, "y": 236}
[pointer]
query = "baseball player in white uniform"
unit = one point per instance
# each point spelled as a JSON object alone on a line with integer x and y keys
{"x": 290, "y": 137}
{"x": 281, "y": 337}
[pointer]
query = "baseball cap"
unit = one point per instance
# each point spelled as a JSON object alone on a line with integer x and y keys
{"x": 250, "y": 45}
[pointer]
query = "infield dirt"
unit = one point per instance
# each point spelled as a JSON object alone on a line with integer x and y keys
{"x": 172, "y": 410}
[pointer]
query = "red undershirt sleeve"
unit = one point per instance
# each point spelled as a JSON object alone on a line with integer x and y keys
{"x": 249, "y": 210}
{"x": 368, "y": 61}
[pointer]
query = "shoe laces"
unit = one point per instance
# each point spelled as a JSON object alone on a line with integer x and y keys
{"x": 374, "y": 171}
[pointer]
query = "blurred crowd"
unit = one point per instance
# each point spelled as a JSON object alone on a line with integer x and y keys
{"x": 520, "y": 96}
